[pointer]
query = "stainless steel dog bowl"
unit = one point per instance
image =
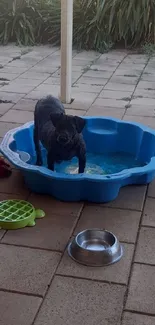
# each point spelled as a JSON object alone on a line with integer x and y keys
{"x": 95, "y": 247}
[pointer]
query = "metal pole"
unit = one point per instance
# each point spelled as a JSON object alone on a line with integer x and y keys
{"x": 66, "y": 49}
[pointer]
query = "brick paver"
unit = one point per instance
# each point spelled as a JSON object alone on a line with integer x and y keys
{"x": 109, "y": 102}
{"x": 25, "y": 105}
{"x": 5, "y": 127}
{"x": 148, "y": 93}
{"x": 81, "y": 301}
{"x": 14, "y": 184}
{"x": 5, "y": 108}
{"x": 117, "y": 273}
{"x": 26, "y": 270}
{"x": 39, "y": 283}
{"x": 17, "y": 309}
{"x": 106, "y": 111}
{"x": 142, "y": 289}
{"x": 119, "y": 86}
{"x": 13, "y": 97}
{"x": 151, "y": 189}
{"x": 124, "y": 223}
{"x": 149, "y": 215}
{"x": 145, "y": 247}
{"x": 148, "y": 121}
{"x": 17, "y": 116}
{"x": 2, "y": 232}
{"x": 131, "y": 197}
{"x": 121, "y": 95}
{"x": 140, "y": 110}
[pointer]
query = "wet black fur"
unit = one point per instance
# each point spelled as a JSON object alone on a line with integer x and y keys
{"x": 52, "y": 126}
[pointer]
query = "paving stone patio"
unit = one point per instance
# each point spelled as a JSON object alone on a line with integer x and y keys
{"x": 39, "y": 283}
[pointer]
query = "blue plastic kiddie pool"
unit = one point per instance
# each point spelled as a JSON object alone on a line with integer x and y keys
{"x": 119, "y": 153}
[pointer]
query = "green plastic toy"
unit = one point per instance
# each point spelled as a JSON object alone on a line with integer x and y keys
{"x": 16, "y": 214}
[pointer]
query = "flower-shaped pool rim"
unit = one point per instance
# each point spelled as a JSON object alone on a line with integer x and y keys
{"x": 125, "y": 177}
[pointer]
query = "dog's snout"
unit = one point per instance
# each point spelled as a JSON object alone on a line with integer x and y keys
{"x": 63, "y": 138}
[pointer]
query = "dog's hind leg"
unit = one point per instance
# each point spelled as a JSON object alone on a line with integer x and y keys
{"x": 39, "y": 161}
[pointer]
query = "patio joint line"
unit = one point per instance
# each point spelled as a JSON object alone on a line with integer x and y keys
{"x": 48, "y": 249}
{"x": 139, "y": 312}
{"x": 114, "y": 208}
{"x": 21, "y": 293}
{"x": 91, "y": 280}
{"x": 143, "y": 263}
{"x": 146, "y": 226}
{"x": 152, "y": 197}
{"x": 30, "y": 247}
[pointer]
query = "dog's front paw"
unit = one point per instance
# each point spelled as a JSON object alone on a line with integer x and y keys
{"x": 82, "y": 165}
{"x": 51, "y": 167}
{"x": 81, "y": 171}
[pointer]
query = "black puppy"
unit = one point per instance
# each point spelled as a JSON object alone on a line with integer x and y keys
{"x": 60, "y": 134}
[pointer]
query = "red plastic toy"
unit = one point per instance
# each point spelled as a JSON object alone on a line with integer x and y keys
{"x": 5, "y": 170}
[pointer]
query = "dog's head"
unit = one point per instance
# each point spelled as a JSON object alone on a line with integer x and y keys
{"x": 67, "y": 127}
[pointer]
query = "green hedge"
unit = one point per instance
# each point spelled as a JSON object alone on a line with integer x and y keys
{"x": 97, "y": 24}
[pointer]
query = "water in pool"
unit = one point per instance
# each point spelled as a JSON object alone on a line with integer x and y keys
{"x": 102, "y": 164}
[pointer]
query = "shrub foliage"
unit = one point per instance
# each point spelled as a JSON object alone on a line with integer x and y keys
{"x": 97, "y": 23}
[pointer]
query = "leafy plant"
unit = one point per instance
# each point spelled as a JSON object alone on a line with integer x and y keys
{"x": 131, "y": 20}
{"x": 90, "y": 25}
{"x": 51, "y": 14}
{"x": 98, "y": 24}
{"x": 112, "y": 21}
{"x": 148, "y": 49}
{"x": 18, "y": 21}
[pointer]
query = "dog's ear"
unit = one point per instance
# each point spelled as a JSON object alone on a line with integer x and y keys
{"x": 55, "y": 118}
{"x": 79, "y": 123}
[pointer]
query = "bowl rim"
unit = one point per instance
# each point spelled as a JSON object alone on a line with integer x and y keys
{"x": 116, "y": 241}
